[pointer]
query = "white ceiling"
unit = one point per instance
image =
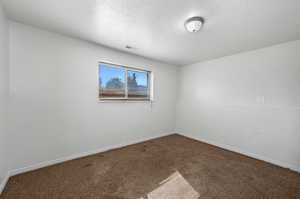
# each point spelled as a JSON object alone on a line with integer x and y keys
{"x": 154, "y": 28}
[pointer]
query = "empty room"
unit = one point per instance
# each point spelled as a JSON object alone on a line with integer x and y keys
{"x": 148, "y": 99}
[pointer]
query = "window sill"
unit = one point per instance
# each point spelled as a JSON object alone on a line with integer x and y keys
{"x": 124, "y": 101}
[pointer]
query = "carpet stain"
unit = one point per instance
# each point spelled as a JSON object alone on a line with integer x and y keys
{"x": 87, "y": 165}
{"x": 134, "y": 171}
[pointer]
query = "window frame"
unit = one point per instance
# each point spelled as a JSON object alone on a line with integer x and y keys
{"x": 126, "y": 69}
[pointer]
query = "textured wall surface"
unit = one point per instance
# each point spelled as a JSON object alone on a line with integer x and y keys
{"x": 4, "y": 87}
{"x": 54, "y": 90}
{"x": 249, "y": 102}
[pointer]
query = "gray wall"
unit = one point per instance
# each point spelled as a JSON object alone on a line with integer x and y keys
{"x": 247, "y": 102}
{"x": 55, "y": 110}
{"x": 4, "y": 87}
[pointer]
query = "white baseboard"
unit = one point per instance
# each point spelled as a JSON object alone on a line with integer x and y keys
{"x": 252, "y": 155}
{"x": 4, "y": 182}
{"x": 80, "y": 155}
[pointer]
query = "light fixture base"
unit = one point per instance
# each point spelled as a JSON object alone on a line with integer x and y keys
{"x": 194, "y": 24}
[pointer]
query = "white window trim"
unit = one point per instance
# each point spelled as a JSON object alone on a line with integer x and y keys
{"x": 126, "y": 68}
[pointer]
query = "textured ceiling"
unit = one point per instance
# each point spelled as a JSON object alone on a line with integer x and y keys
{"x": 154, "y": 28}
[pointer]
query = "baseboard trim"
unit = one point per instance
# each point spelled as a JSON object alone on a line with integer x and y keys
{"x": 249, "y": 154}
{"x": 92, "y": 152}
{"x": 4, "y": 182}
{"x": 80, "y": 155}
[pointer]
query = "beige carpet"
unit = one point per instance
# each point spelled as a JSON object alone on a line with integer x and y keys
{"x": 169, "y": 165}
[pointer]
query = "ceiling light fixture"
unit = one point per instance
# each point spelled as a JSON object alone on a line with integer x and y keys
{"x": 194, "y": 24}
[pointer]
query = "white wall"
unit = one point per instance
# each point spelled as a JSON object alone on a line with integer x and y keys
{"x": 247, "y": 102}
{"x": 4, "y": 85}
{"x": 55, "y": 110}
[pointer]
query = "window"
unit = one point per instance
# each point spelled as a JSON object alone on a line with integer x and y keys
{"x": 123, "y": 83}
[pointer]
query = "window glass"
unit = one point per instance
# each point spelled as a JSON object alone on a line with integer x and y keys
{"x": 111, "y": 82}
{"x": 138, "y": 84}
{"x": 120, "y": 82}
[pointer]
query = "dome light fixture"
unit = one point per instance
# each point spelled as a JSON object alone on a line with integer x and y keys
{"x": 194, "y": 24}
